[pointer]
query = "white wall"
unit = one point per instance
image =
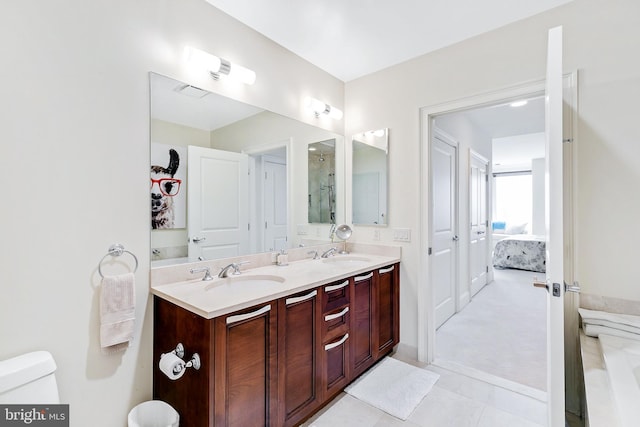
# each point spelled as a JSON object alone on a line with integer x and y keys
{"x": 75, "y": 155}
{"x": 601, "y": 41}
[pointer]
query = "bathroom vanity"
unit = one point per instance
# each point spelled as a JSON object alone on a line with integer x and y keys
{"x": 275, "y": 353}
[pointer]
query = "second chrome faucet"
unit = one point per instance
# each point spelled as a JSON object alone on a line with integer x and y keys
{"x": 235, "y": 266}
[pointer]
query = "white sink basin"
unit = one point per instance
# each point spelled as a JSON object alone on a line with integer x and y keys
{"x": 346, "y": 260}
{"x": 240, "y": 280}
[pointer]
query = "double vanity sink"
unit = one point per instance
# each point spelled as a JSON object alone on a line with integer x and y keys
{"x": 212, "y": 298}
{"x": 276, "y": 343}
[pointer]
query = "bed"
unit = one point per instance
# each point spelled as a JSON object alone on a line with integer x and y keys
{"x": 522, "y": 252}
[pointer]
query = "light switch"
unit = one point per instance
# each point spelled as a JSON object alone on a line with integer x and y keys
{"x": 402, "y": 234}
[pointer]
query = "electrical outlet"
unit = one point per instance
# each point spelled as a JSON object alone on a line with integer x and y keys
{"x": 376, "y": 234}
{"x": 402, "y": 234}
{"x": 302, "y": 230}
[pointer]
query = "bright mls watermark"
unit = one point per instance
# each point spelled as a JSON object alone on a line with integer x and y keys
{"x": 34, "y": 415}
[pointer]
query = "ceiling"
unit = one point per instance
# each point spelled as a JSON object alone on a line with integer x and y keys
{"x": 517, "y": 132}
{"x": 352, "y": 38}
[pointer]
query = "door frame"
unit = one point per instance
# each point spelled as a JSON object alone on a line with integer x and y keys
{"x": 426, "y": 316}
{"x": 426, "y": 298}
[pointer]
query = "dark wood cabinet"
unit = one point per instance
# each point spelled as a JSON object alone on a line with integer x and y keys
{"x": 189, "y": 395}
{"x": 277, "y": 363}
{"x": 335, "y": 350}
{"x": 387, "y": 308}
{"x": 245, "y": 367}
{"x": 299, "y": 365}
{"x": 362, "y": 319}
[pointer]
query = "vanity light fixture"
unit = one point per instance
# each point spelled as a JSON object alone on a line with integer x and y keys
{"x": 319, "y": 107}
{"x": 218, "y": 66}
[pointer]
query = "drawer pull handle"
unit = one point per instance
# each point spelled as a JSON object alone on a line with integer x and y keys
{"x": 337, "y": 343}
{"x": 295, "y": 300}
{"x": 386, "y": 270}
{"x": 336, "y": 287}
{"x": 359, "y": 278}
{"x": 241, "y": 317}
{"x": 336, "y": 315}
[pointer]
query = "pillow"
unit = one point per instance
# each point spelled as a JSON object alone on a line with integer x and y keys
{"x": 516, "y": 228}
{"x": 498, "y": 225}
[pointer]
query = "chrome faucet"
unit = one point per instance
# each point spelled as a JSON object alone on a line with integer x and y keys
{"x": 236, "y": 269}
{"x": 329, "y": 252}
{"x": 206, "y": 270}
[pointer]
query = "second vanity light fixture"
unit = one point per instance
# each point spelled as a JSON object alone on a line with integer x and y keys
{"x": 319, "y": 107}
{"x": 218, "y": 66}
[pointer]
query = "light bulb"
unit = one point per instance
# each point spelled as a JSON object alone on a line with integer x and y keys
{"x": 242, "y": 74}
{"x": 201, "y": 59}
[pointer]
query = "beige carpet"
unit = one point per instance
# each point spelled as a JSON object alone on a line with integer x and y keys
{"x": 502, "y": 331}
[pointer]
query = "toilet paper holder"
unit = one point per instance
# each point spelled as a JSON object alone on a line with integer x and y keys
{"x": 194, "y": 362}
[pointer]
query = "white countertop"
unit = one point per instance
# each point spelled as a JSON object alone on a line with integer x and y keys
{"x": 217, "y": 297}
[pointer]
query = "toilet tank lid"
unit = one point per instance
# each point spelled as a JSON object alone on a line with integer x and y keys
{"x": 25, "y": 368}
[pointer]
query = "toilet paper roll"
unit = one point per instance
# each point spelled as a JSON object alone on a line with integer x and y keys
{"x": 172, "y": 366}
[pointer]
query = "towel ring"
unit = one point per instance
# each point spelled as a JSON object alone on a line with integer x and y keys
{"x": 116, "y": 250}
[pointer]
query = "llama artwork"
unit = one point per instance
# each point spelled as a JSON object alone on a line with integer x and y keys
{"x": 167, "y": 201}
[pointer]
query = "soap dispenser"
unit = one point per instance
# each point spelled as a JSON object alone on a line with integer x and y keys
{"x": 282, "y": 258}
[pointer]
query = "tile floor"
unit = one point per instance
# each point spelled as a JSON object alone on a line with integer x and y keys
{"x": 456, "y": 400}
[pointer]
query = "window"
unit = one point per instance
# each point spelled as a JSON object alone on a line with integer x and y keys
{"x": 513, "y": 199}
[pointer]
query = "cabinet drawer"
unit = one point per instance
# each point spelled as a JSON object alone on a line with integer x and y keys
{"x": 335, "y": 295}
{"x": 335, "y": 322}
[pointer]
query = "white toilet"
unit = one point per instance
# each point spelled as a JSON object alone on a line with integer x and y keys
{"x": 29, "y": 378}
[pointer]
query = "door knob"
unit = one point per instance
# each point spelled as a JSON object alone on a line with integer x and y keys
{"x": 198, "y": 239}
{"x": 455, "y": 238}
{"x": 572, "y": 288}
{"x": 539, "y": 284}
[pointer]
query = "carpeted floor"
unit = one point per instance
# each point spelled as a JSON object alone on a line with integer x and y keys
{"x": 502, "y": 331}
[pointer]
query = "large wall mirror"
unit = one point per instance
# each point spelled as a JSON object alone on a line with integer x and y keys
{"x": 230, "y": 179}
{"x": 369, "y": 177}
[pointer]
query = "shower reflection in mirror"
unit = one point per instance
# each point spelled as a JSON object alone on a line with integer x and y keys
{"x": 369, "y": 177}
{"x": 322, "y": 182}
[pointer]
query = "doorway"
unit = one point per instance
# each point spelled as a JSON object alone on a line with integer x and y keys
{"x": 444, "y": 116}
{"x": 269, "y": 196}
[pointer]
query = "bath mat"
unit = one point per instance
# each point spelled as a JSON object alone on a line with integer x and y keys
{"x": 394, "y": 387}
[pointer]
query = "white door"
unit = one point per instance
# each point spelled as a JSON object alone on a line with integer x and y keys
{"x": 218, "y": 201}
{"x": 275, "y": 204}
{"x": 554, "y": 230}
{"x": 444, "y": 160}
{"x": 478, "y": 202}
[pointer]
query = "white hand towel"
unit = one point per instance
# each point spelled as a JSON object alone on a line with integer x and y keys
{"x": 596, "y": 330}
{"x": 590, "y": 316}
{"x": 117, "y": 312}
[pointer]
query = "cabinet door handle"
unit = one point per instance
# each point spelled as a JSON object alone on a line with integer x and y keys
{"x": 241, "y": 317}
{"x": 359, "y": 278}
{"x": 336, "y": 315}
{"x": 336, "y": 287}
{"x": 295, "y": 300}
{"x": 337, "y": 343}
{"x": 386, "y": 270}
